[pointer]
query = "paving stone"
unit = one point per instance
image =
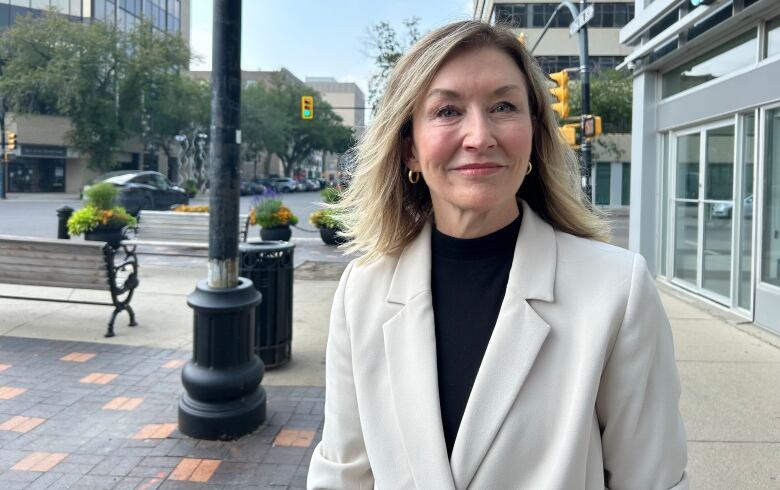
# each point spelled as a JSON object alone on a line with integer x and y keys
{"x": 102, "y": 451}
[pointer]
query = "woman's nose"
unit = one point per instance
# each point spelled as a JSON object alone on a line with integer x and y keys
{"x": 478, "y": 132}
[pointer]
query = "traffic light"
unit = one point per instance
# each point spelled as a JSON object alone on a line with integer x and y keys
{"x": 10, "y": 141}
{"x": 561, "y": 93}
{"x": 591, "y": 126}
{"x": 307, "y": 107}
{"x": 569, "y": 134}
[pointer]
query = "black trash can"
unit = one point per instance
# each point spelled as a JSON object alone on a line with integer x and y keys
{"x": 269, "y": 265}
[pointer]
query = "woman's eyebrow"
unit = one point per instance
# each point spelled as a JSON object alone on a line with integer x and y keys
{"x": 452, "y": 94}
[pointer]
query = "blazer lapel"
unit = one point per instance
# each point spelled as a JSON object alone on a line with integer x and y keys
{"x": 410, "y": 350}
{"x": 517, "y": 338}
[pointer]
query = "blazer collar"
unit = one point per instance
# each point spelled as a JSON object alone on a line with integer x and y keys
{"x": 410, "y": 348}
{"x": 533, "y": 265}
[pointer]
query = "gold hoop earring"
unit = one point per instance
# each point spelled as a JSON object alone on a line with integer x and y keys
{"x": 530, "y": 167}
{"x": 414, "y": 177}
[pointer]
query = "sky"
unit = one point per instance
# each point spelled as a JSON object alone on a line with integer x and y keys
{"x": 317, "y": 38}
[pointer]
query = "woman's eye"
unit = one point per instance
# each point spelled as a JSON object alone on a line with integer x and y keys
{"x": 504, "y": 107}
{"x": 448, "y": 111}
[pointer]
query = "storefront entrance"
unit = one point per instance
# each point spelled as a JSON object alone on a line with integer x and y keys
{"x": 37, "y": 175}
{"x": 710, "y": 212}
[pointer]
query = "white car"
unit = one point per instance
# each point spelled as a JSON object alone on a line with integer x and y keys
{"x": 725, "y": 209}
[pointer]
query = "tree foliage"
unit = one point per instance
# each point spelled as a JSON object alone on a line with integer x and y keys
{"x": 386, "y": 47}
{"x": 111, "y": 84}
{"x": 610, "y": 98}
{"x": 271, "y": 123}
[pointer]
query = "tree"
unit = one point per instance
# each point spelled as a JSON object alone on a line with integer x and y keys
{"x": 106, "y": 81}
{"x": 610, "y": 98}
{"x": 272, "y": 125}
{"x": 385, "y": 48}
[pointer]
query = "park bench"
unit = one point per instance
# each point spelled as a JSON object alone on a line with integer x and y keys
{"x": 74, "y": 265}
{"x": 178, "y": 230}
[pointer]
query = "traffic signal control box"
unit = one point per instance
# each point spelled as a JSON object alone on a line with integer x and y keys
{"x": 307, "y": 107}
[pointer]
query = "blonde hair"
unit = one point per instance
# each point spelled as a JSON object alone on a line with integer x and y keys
{"x": 382, "y": 211}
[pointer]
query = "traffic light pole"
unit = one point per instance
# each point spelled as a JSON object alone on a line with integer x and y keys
{"x": 585, "y": 148}
{"x": 4, "y": 162}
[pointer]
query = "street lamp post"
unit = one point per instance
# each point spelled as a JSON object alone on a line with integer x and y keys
{"x": 223, "y": 397}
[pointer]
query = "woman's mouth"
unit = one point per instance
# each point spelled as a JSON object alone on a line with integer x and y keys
{"x": 479, "y": 169}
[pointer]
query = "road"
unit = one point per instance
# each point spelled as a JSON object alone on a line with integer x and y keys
{"x": 30, "y": 215}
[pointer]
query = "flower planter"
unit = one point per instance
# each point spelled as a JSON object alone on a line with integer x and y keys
{"x": 110, "y": 235}
{"x": 330, "y": 237}
{"x": 282, "y": 233}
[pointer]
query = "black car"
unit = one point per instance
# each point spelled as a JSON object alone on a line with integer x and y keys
{"x": 145, "y": 190}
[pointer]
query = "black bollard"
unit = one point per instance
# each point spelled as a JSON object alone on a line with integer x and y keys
{"x": 63, "y": 215}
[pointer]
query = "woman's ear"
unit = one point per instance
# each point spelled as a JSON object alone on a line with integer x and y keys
{"x": 410, "y": 155}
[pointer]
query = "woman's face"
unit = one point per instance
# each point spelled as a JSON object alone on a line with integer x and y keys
{"x": 471, "y": 134}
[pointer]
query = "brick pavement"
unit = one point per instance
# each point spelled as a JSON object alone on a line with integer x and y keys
{"x": 85, "y": 415}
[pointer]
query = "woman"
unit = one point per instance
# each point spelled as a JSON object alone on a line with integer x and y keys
{"x": 488, "y": 338}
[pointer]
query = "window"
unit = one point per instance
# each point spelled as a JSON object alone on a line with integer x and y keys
{"x": 625, "y": 185}
{"x": 773, "y": 37}
{"x": 603, "y": 177}
{"x": 725, "y": 59}
{"x": 770, "y": 253}
{"x": 61, "y": 5}
{"x": 536, "y": 15}
{"x": 39, "y": 4}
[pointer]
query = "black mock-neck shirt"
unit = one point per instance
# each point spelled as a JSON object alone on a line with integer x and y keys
{"x": 468, "y": 282}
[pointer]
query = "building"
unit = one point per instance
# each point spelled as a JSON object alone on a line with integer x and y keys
{"x": 43, "y": 162}
{"x": 347, "y": 101}
{"x": 705, "y": 184}
{"x": 557, "y": 50}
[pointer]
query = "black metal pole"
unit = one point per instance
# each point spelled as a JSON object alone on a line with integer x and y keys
{"x": 3, "y": 160}
{"x": 585, "y": 148}
{"x": 223, "y": 397}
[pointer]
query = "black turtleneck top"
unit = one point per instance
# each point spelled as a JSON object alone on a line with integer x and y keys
{"x": 468, "y": 281}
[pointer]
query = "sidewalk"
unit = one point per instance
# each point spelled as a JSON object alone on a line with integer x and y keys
{"x": 81, "y": 411}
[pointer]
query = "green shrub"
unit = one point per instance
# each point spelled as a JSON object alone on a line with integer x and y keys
{"x": 271, "y": 212}
{"x": 89, "y": 217}
{"x": 324, "y": 218}
{"x": 102, "y": 196}
{"x": 331, "y": 195}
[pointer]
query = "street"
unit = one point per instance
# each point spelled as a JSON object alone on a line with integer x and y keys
{"x": 36, "y": 216}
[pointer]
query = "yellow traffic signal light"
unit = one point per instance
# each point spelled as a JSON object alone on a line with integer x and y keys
{"x": 10, "y": 141}
{"x": 591, "y": 126}
{"x": 561, "y": 93}
{"x": 307, "y": 107}
{"x": 569, "y": 134}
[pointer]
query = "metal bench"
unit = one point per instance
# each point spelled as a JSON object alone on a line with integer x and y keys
{"x": 172, "y": 229}
{"x": 71, "y": 264}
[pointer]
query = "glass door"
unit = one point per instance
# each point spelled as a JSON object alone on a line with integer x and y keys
{"x": 704, "y": 211}
{"x": 718, "y": 211}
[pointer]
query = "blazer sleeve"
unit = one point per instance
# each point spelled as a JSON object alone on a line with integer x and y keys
{"x": 340, "y": 459}
{"x": 642, "y": 434}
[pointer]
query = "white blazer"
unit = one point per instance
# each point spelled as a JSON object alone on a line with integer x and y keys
{"x": 578, "y": 387}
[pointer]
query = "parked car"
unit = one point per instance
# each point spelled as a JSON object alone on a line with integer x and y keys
{"x": 245, "y": 187}
{"x": 250, "y": 187}
{"x": 284, "y": 184}
{"x": 313, "y": 184}
{"x": 144, "y": 190}
{"x": 725, "y": 209}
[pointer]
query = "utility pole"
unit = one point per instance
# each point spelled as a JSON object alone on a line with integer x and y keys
{"x": 586, "y": 147}
{"x": 223, "y": 398}
{"x": 580, "y": 24}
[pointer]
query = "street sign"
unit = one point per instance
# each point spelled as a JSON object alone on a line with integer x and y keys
{"x": 581, "y": 20}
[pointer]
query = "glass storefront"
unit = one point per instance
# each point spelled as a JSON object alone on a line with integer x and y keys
{"x": 770, "y": 244}
{"x": 706, "y": 222}
{"x": 37, "y": 175}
